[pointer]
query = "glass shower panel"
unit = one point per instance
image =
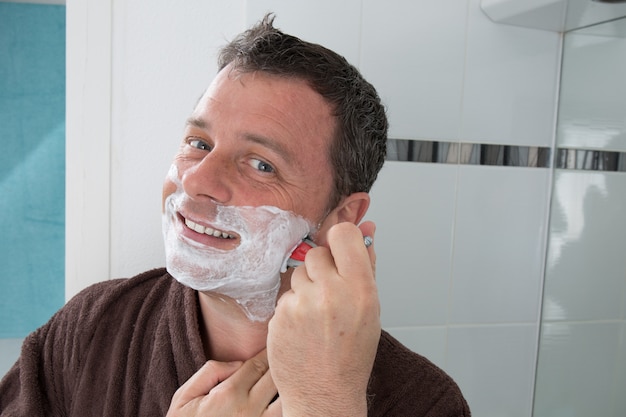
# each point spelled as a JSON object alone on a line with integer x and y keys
{"x": 581, "y": 368}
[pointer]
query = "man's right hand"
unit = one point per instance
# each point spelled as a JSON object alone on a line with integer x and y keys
{"x": 228, "y": 389}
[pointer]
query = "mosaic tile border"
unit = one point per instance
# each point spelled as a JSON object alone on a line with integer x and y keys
{"x": 467, "y": 153}
{"x": 504, "y": 155}
{"x": 590, "y": 160}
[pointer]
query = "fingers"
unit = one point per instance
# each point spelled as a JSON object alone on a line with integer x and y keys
{"x": 207, "y": 377}
{"x": 346, "y": 252}
{"x": 255, "y": 379}
{"x": 252, "y": 370}
{"x": 346, "y": 255}
{"x": 228, "y": 388}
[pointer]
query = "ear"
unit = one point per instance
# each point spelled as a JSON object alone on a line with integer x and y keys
{"x": 350, "y": 209}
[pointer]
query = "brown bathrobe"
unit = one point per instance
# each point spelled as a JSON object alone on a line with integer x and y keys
{"x": 123, "y": 347}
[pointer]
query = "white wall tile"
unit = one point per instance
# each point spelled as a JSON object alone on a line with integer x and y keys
{"x": 499, "y": 244}
{"x": 413, "y": 52}
{"x": 494, "y": 367}
{"x": 585, "y": 274}
{"x": 429, "y": 342}
{"x": 413, "y": 207}
{"x": 336, "y": 25}
{"x": 577, "y": 369}
{"x": 510, "y": 83}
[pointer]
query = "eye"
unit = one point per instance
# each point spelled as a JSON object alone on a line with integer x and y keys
{"x": 198, "y": 144}
{"x": 261, "y": 166}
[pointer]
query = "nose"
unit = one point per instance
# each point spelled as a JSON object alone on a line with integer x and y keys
{"x": 208, "y": 178}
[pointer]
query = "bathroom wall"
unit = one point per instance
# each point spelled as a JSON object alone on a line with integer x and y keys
{"x": 32, "y": 170}
{"x": 461, "y": 245}
{"x": 461, "y": 237}
{"x": 582, "y": 352}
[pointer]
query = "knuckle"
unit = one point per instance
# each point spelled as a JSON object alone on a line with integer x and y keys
{"x": 259, "y": 367}
{"x": 220, "y": 393}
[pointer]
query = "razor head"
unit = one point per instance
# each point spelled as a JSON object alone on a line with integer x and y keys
{"x": 297, "y": 256}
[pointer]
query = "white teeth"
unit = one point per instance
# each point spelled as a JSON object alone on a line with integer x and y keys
{"x": 207, "y": 230}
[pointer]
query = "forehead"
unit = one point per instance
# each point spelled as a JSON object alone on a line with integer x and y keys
{"x": 269, "y": 100}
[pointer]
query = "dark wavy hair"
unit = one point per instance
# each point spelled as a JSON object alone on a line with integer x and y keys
{"x": 358, "y": 150}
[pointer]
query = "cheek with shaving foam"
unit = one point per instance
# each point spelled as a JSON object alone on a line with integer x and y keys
{"x": 249, "y": 273}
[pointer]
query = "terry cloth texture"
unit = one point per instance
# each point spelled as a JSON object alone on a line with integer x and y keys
{"x": 123, "y": 347}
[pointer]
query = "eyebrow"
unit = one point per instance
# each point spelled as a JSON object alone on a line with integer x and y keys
{"x": 269, "y": 143}
{"x": 197, "y": 122}
{"x": 251, "y": 137}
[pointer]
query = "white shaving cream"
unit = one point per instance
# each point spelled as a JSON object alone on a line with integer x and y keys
{"x": 249, "y": 273}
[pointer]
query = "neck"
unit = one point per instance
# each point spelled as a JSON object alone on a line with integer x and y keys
{"x": 227, "y": 333}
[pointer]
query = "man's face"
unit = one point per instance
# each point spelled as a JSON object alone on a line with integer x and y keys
{"x": 254, "y": 140}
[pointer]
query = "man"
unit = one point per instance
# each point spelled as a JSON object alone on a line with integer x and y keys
{"x": 284, "y": 145}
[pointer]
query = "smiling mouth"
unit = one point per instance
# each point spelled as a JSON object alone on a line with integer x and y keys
{"x": 198, "y": 228}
